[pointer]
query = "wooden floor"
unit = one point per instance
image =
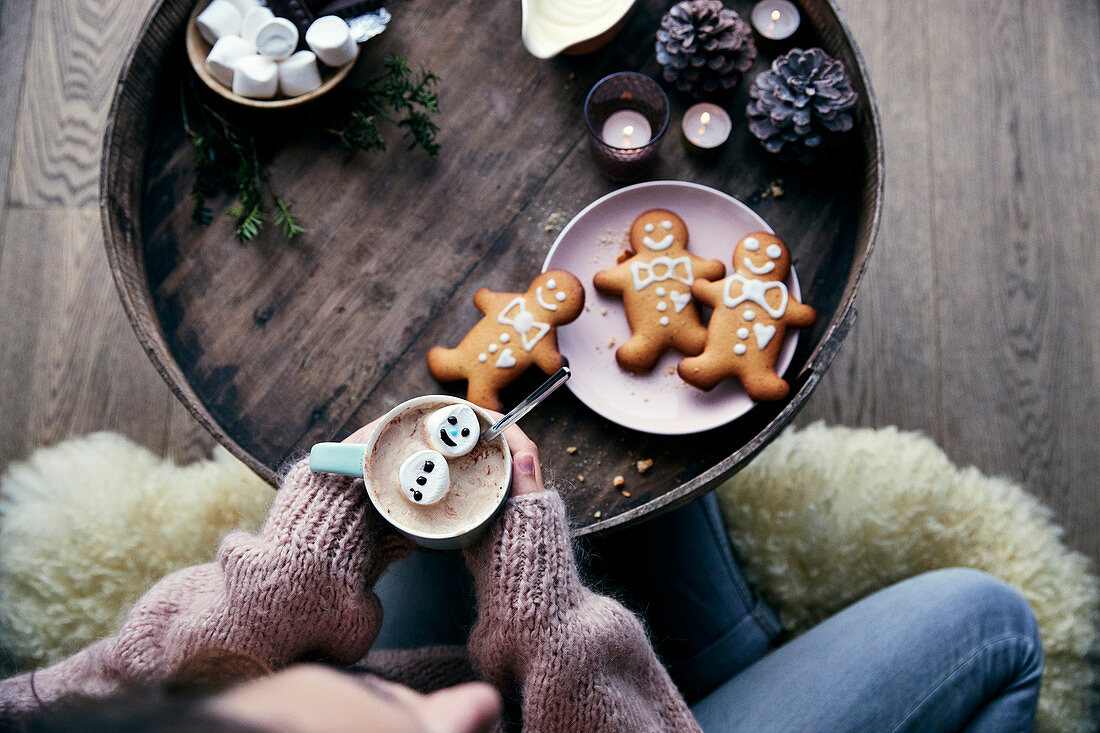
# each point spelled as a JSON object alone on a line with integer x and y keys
{"x": 979, "y": 317}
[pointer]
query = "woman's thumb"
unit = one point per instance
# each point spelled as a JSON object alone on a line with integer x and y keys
{"x": 526, "y": 473}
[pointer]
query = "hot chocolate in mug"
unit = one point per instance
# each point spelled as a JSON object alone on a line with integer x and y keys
{"x": 427, "y": 469}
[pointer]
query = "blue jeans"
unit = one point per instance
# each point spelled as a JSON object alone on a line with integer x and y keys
{"x": 948, "y": 650}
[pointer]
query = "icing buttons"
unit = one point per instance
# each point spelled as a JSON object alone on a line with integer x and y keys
{"x": 664, "y": 320}
{"x": 742, "y": 333}
{"x": 505, "y": 338}
{"x": 749, "y": 315}
{"x": 739, "y": 349}
{"x": 660, "y": 292}
{"x": 482, "y": 357}
{"x": 662, "y": 306}
{"x": 492, "y": 349}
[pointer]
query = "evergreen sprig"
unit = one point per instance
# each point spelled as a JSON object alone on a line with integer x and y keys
{"x": 226, "y": 157}
{"x": 398, "y": 96}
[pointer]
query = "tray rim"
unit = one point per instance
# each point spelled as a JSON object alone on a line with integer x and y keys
{"x": 120, "y": 230}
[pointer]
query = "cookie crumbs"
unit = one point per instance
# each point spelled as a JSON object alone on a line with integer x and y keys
{"x": 644, "y": 465}
{"x": 618, "y": 481}
{"x": 670, "y": 371}
{"x": 571, "y": 449}
{"x": 626, "y": 493}
{"x": 611, "y": 342}
{"x": 586, "y": 309}
{"x": 580, "y": 477}
{"x": 603, "y": 311}
{"x": 556, "y": 222}
{"x": 774, "y": 190}
{"x": 597, "y": 514}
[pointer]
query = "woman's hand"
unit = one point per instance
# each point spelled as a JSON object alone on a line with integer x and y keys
{"x": 526, "y": 468}
{"x": 361, "y": 435}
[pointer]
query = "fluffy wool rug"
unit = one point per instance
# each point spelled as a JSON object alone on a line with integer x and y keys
{"x": 822, "y": 517}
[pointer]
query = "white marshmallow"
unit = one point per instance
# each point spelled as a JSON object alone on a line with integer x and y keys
{"x": 298, "y": 74}
{"x": 252, "y": 22}
{"x": 277, "y": 39}
{"x": 223, "y": 57}
{"x": 330, "y": 38}
{"x": 221, "y": 18}
{"x": 245, "y": 5}
{"x": 256, "y": 77}
{"x": 425, "y": 477}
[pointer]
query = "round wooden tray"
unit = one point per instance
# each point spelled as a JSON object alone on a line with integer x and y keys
{"x": 276, "y": 344}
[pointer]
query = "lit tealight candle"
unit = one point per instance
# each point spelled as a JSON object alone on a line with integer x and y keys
{"x": 706, "y": 126}
{"x": 776, "y": 20}
{"x": 627, "y": 129}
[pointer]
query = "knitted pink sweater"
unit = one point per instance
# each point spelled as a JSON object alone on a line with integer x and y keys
{"x": 303, "y": 586}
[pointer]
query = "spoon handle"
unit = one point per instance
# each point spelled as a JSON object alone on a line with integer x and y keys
{"x": 558, "y": 379}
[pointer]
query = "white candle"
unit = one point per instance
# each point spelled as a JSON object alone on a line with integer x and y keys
{"x": 706, "y": 125}
{"x": 775, "y": 19}
{"x": 627, "y": 129}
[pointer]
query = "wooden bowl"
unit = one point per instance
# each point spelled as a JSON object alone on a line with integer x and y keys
{"x": 276, "y": 344}
{"x": 198, "y": 49}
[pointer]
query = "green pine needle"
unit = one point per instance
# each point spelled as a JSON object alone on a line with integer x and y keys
{"x": 226, "y": 157}
{"x": 287, "y": 219}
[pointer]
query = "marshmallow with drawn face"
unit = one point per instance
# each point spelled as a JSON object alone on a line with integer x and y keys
{"x": 425, "y": 477}
{"x": 453, "y": 430}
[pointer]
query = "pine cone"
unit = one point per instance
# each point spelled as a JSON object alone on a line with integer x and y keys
{"x": 704, "y": 47}
{"x": 799, "y": 102}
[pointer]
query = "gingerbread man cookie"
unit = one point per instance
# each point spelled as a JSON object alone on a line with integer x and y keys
{"x": 518, "y": 330}
{"x": 655, "y": 284}
{"x": 752, "y": 311}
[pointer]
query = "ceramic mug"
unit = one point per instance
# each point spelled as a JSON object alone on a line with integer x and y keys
{"x": 376, "y": 468}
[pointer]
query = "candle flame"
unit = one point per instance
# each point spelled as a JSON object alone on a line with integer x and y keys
{"x": 776, "y": 15}
{"x": 628, "y": 130}
{"x": 705, "y": 119}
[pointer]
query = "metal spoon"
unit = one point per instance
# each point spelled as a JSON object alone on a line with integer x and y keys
{"x": 558, "y": 379}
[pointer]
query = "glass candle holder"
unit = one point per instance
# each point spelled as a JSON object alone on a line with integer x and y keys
{"x": 626, "y": 115}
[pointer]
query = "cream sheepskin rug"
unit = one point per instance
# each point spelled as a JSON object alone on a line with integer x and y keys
{"x": 822, "y": 517}
{"x": 826, "y": 515}
{"x": 88, "y": 525}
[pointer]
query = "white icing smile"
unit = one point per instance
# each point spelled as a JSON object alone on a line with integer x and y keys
{"x": 762, "y": 270}
{"x": 658, "y": 246}
{"x": 543, "y": 303}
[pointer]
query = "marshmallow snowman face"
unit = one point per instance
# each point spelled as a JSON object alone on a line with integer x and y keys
{"x": 425, "y": 477}
{"x": 453, "y": 430}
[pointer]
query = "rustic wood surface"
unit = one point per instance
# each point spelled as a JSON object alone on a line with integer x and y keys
{"x": 978, "y": 317}
{"x": 282, "y": 345}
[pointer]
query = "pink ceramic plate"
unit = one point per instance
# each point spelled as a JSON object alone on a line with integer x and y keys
{"x": 658, "y": 402}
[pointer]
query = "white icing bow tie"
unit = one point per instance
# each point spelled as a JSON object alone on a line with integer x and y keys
{"x": 756, "y": 291}
{"x": 523, "y": 322}
{"x": 678, "y": 268}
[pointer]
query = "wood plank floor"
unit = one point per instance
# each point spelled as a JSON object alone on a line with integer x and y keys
{"x": 978, "y": 318}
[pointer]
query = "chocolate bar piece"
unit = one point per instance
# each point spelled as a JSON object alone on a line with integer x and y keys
{"x": 344, "y": 8}
{"x": 297, "y": 12}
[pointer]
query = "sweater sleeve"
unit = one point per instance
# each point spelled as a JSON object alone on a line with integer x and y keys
{"x": 580, "y": 660}
{"x": 303, "y": 585}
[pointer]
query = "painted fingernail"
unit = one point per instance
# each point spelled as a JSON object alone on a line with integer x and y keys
{"x": 525, "y": 463}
